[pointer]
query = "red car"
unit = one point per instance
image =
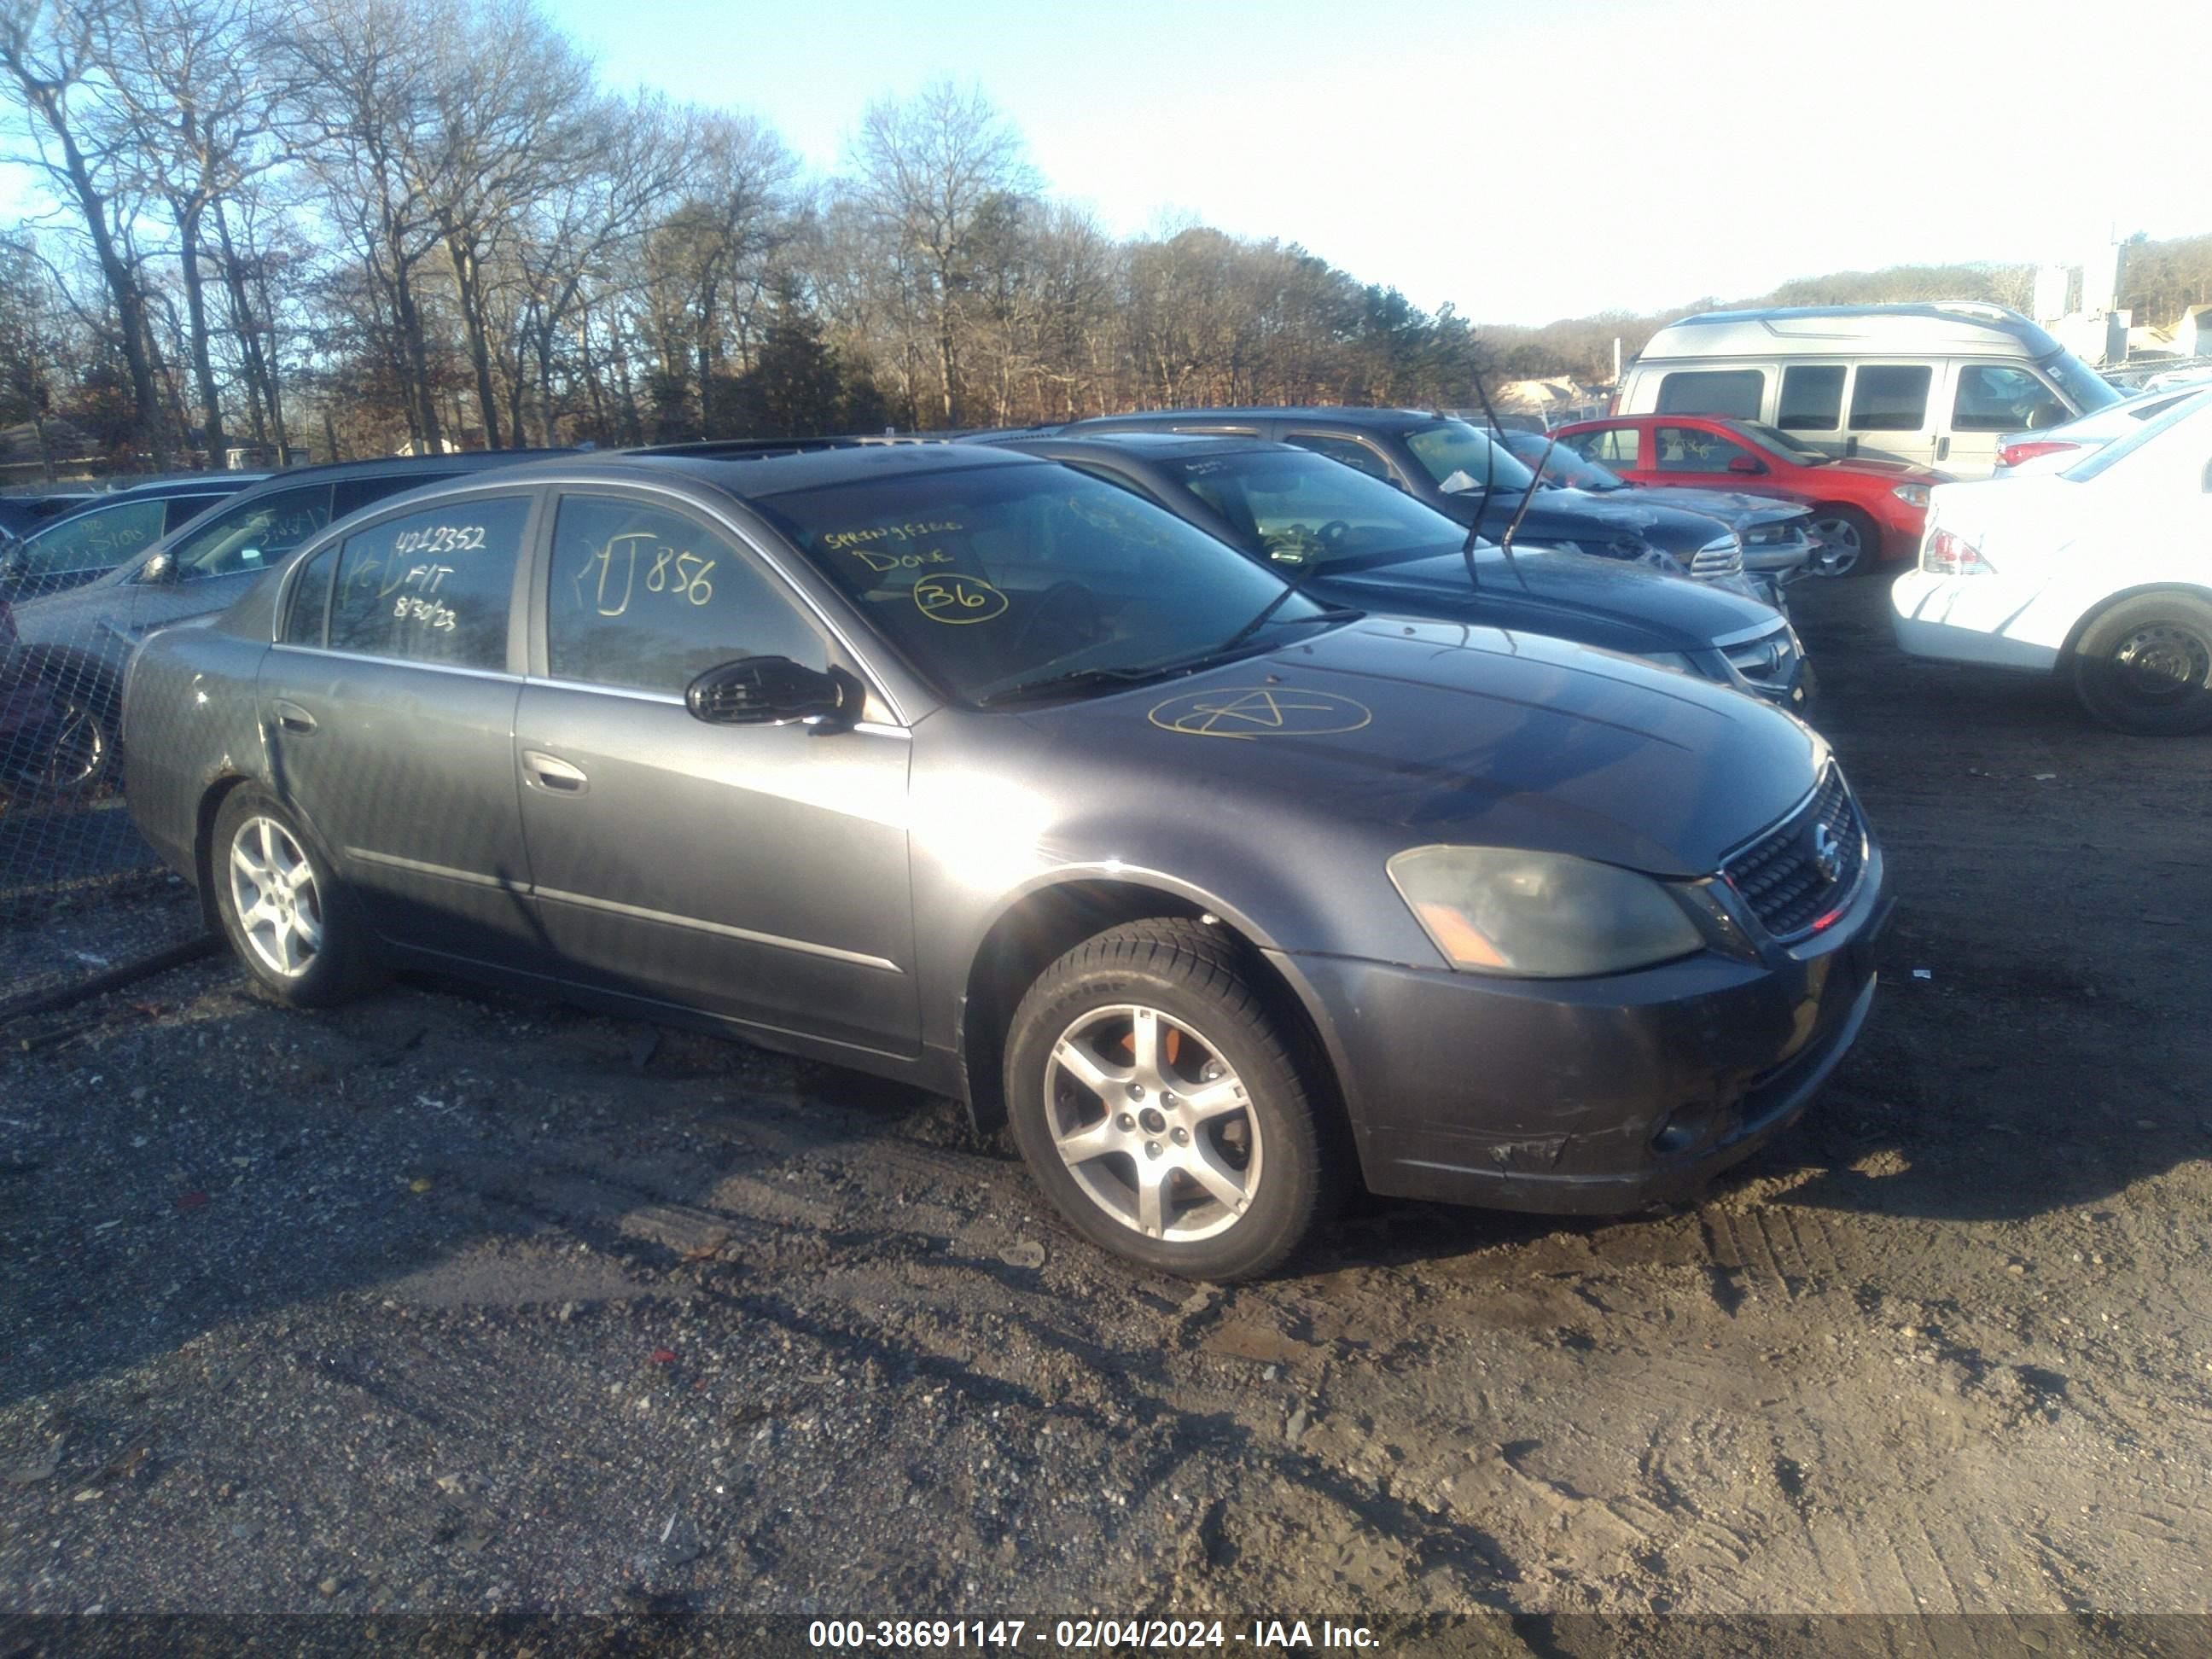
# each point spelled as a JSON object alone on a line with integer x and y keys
{"x": 1864, "y": 511}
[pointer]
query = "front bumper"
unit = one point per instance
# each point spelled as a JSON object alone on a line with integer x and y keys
{"x": 1592, "y": 1097}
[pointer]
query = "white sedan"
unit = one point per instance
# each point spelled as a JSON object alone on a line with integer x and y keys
{"x": 2102, "y": 572}
{"x": 2055, "y": 448}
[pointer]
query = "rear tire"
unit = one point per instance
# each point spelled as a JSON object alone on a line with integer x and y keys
{"x": 2145, "y": 666}
{"x": 292, "y": 925}
{"x": 1851, "y": 544}
{"x": 1163, "y": 1107}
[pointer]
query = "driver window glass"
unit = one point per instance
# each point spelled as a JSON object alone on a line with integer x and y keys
{"x": 1350, "y": 451}
{"x": 1811, "y": 398}
{"x": 95, "y": 541}
{"x": 1692, "y": 449}
{"x": 1992, "y": 398}
{"x": 253, "y": 535}
{"x": 646, "y": 599}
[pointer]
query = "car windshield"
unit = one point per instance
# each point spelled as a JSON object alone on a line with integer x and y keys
{"x": 1304, "y": 509}
{"x": 1562, "y": 465}
{"x": 2089, "y": 390}
{"x": 1461, "y": 458}
{"x": 96, "y": 538}
{"x": 1001, "y": 577}
{"x": 1781, "y": 443}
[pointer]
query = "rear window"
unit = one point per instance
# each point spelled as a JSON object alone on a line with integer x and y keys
{"x": 1891, "y": 398}
{"x": 1739, "y": 393}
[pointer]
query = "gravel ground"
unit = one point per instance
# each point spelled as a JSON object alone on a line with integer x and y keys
{"x": 450, "y": 1302}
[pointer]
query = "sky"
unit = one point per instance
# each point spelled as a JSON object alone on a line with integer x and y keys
{"x": 1521, "y": 162}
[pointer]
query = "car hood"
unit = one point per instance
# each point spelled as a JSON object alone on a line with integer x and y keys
{"x": 1440, "y": 732}
{"x": 1732, "y": 507}
{"x": 1602, "y": 602}
{"x": 1576, "y": 516}
{"x": 1895, "y": 472}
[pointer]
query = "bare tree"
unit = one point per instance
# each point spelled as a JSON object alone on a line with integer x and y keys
{"x": 933, "y": 169}
{"x": 50, "y": 69}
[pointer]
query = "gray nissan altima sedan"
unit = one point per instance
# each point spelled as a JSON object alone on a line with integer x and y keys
{"x": 966, "y": 768}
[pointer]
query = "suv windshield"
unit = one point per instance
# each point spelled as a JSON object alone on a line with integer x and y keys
{"x": 2089, "y": 390}
{"x": 1562, "y": 465}
{"x": 1459, "y": 458}
{"x": 1004, "y": 576}
{"x": 1781, "y": 444}
{"x": 1305, "y": 509}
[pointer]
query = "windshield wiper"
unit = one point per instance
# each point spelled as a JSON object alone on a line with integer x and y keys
{"x": 1076, "y": 678}
{"x": 1269, "y": 608}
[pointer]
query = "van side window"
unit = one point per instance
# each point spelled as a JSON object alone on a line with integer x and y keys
{"x": 1993, "y": 398}
{"x": 1890, "y": 397}
{"x": 1738, "y": 392}
{"x": 1811, "y": 398}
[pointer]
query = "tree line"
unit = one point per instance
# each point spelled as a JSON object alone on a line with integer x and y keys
{"x": 356, "y": 226}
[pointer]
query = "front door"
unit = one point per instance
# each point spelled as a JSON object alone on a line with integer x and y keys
{"x": 758, "y": 872}
{"x": 389, "y": 710}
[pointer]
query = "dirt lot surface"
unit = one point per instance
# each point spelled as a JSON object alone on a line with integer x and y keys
{"x": 448, "y": 1302}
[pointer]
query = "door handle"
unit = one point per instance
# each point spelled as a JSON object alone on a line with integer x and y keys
{"x": 292, "y": 717}
{"x": 554, "y": 774}
{"x": 1943, "y": 448}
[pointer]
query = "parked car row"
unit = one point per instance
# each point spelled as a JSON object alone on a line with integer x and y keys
{"x": 1206, "y": 811}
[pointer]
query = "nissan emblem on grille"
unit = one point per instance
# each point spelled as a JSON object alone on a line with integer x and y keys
{"x": 1827, "y": 854}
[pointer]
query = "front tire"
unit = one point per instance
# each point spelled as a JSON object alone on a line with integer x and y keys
{"x": 282, "y": 909}
{"x": 2145, "y": 666}
{"x": 1850, "y": 545}
{"x": 1162, "y": 1107}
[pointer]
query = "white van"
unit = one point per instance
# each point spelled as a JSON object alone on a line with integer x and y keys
{"x": 1938, "y": 384}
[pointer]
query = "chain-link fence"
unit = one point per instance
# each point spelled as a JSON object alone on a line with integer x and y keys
{"x": 81, "y": 895}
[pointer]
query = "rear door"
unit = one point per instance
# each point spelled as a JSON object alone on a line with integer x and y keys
{"x": 758, "y": 873}
{"x": 389, "y": 706}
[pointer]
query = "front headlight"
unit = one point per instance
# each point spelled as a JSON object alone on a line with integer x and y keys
{"x": 1539, "y": 916}
{"x": 1912, "y": 495}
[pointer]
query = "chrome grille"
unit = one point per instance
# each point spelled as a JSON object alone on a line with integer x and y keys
{"x": 1722, "y": 557}
{"x": 1808, "y": 866}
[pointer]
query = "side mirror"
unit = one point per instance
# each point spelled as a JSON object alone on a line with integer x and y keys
{"x": 159, "y": 569}
{"x": 773, "y": 691}
{"x": 1751, "y": 465}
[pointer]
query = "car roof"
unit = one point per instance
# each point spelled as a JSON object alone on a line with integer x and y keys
{"x": 759, "y": 474}
{"x": 1144, "y": 446}
{"x": 193, "y": 485}
{"x": 1366, "y": 419}
{"x": 1828, "y": 330}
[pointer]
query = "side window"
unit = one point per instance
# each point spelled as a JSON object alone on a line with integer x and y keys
{"x": 1616, "y": 447}
{"x": 182, "y": 510}
{"x": 1994, "y": 398}
{"x": 432, "y": 586}
{"x": 354, "y": 494}
{"x": 1811, "y": 398}
{"x": 1890, "y": 397}
{"x": 1693, "y": 449}
{"x": 310, "y": 598}
{"x": 253, "y": 535}
{"x": 1350, "y": 451}
{"x": 1739, "y": 393}
{"x": 646, "y": 599}
{"x": 95, "y": 541}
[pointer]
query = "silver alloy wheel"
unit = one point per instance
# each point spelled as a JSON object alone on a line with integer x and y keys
{"x": 1152, "y": 1123}
{"x": 1839, "y": 549}
{"x": 78, "y": 751}
{"x": 273, "y": 891}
